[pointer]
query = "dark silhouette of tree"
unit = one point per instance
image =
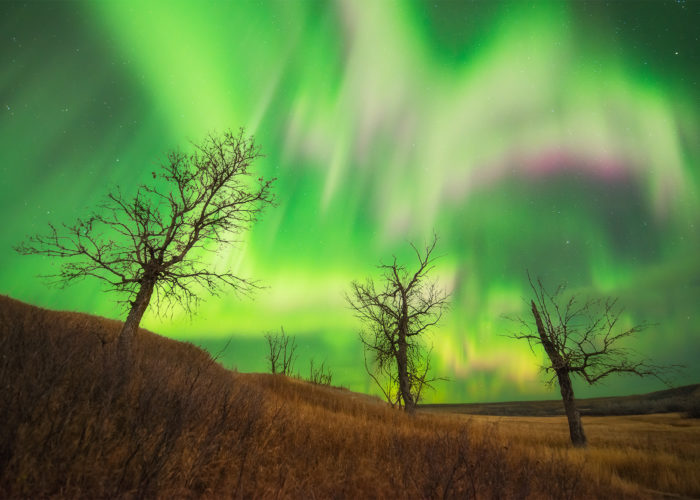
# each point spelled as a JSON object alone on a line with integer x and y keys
{"x": 281, "y": 352}
{"x": 320, "y": 375}
{"x": 582, "y": 339}
{"x": 155, "y": 243}
{"x": 396, "y": 312}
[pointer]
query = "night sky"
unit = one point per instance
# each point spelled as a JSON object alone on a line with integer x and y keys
{"x": 560, "y": 138}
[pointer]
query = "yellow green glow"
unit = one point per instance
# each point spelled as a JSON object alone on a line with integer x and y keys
{"x": 528, "y": 135}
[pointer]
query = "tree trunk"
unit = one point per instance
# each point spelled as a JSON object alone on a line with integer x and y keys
{"x": 404, "y": 381}
{"x": 409, "y": 404}
{"x": 578, "y": 438}
{"x": 131, "y": 325}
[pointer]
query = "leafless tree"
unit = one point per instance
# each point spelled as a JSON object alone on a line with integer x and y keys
{"x": 582, "y": 338}
{"x": 281, "y": 352}
{"x": 154, "y": 244}
{"x": 397, "y": 311}
{"x": 320, "y": 375}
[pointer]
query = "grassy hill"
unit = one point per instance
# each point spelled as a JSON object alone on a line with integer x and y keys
{"x": 76, "y": 423}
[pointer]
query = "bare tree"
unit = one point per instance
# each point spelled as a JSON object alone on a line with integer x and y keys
{"x": 583, "y": 339}
{"x": 156, "y": 241}
{"x": 320, "y": 375}
{"x": 281, "y": 352}
{"x": 396, "y": 312}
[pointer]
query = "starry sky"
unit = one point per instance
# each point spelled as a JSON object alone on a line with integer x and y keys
{"x": 555, "y": 137}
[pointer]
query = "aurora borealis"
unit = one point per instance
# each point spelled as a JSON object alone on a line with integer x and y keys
{"x": 555, "y": 137}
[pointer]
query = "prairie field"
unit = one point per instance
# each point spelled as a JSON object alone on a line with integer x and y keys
{"x": 650, "y": 454}
{"x": 78, "y": 423}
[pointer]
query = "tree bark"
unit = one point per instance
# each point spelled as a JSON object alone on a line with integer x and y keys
{"x": 402, "y": 357}
{"x": 131, "y": 325}
{"x": 404, "y": 382}
{"x": 578, "y": 438}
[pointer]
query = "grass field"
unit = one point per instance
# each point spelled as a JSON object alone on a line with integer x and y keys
{"x": 177, "y": 424}
{"x": 657, "y": 453}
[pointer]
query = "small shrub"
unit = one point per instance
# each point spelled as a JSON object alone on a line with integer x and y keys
{"x": 281, "y": 352}
{"x": 320, "y": 375}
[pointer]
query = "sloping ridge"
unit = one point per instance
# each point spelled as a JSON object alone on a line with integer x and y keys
{"x": 80, "y": 422}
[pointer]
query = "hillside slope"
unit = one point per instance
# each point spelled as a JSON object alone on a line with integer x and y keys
{"x": 75, "y": 424}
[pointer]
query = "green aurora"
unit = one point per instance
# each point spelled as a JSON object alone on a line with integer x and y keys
{"x": 559, "y": 138}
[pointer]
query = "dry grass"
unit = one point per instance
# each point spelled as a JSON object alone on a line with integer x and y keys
{"x": 179, "y": 425}
{"x": 647, "y": 453}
